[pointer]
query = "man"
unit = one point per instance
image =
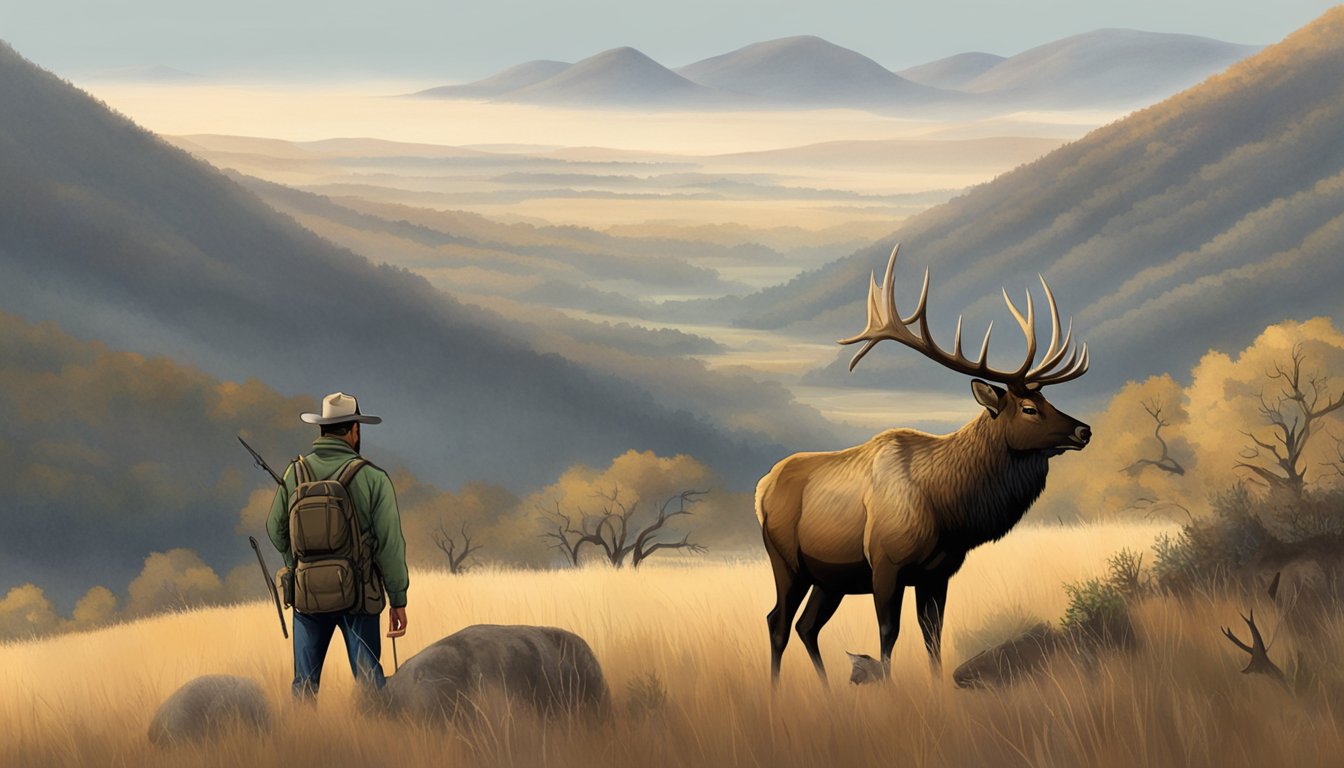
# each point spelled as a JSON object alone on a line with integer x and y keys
{"x": 378, "y": 546}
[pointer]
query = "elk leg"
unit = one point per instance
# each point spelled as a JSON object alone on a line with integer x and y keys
{"x": 931, "y": 600}
{"x": 888, "y": 592}
{"x": 820, "y": 608}
{"x": 790, "y": 588}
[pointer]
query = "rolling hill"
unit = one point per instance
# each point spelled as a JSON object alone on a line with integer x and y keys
{"x": 1186, "y": 226}
{"x": 808, "y": 71}
{"x": 618, "y": 77}
{"x": 513, "y": 78}
{"x": 123, "y": 238}
{"x": 1106, "y": 67}
{"x": 952, "y": 72}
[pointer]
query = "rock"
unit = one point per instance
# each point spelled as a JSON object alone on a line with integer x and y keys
{"x": 551, "y": 669}
{"x": 865, "y": 669}
{"x": 209, "y": 706}
{"x": 1010, "y": 660}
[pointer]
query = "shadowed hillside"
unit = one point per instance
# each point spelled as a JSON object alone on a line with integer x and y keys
{"x": 1189, "y": 225}
{"x": 120, "y": 237}
{"x": 112, "y": 455}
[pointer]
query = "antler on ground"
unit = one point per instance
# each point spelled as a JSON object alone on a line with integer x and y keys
{"x": 1260, "y": 662}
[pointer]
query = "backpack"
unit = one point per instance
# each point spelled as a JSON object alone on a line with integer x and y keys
{"x": 334, "y": 568}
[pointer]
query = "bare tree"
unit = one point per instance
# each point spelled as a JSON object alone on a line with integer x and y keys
{"x": 1164, "y": 462}
{"x": 645, "y": 544}
{"x": 611, "y": 531}
{"x": 616, "y": 531}
{"x": 1338, "y": 463}
{"x": 560, "y": 530}
{"x": 1293, "y": 417}
{"x": 456, "y": 547}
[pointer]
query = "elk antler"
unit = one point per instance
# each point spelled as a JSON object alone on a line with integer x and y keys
{"x": 885, "y": 322}
{"x": 1260, "y": 661}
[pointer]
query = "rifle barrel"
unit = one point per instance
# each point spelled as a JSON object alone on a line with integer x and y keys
{"x": 260, "y": 462}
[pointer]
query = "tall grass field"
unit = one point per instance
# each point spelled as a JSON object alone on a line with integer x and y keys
{"x": 685, "y": 650}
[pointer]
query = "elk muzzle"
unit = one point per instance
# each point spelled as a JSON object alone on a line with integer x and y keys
{"x": 1078, "y": 440}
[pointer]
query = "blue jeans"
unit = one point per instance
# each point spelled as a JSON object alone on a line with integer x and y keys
{"x": 312, "y": 635}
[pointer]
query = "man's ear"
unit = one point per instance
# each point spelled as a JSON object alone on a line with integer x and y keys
{"x": 988, "y": 395}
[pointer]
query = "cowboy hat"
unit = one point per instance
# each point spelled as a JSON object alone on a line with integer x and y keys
{"x": 338, "y": 408}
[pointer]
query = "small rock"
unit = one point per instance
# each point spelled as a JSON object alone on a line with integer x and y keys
{"x": 865, "y": 669}
{"x": 209, "y": 706}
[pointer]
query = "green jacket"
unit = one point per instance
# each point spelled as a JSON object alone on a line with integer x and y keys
{"x": 375, "y": 506}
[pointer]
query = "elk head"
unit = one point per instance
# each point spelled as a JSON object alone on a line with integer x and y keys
{"x": 1027, "y": 420}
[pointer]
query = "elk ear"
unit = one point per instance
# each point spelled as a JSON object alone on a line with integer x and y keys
{"x": 988, "y": 395}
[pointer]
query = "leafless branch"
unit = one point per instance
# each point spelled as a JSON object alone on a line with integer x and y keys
{"x": 645, "y": 545}
{"x": 1293, "y": 417}
{"x": 1164, "y": 462}
{"x": 456, "y": 549}
{"x": 615, "y": 530}
{"x": 560, "y": 530}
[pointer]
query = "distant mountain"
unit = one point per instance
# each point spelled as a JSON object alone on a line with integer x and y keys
{"x": 120, "y": 237}
{"x": 1186, "y": 226}
{"x": 157, "y": 73}
{"x": 618, "y": 77}
{"x": 953, "y": 72}
{"x": 807, "y": 71}
{"x": 513, "y": 78}
{"x": 1107, "y": 66}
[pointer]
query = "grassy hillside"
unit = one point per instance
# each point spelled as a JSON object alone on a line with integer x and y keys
{"x": 120, "y": 237}
{"x": 1196, "y": 222}
{"x": 1180, "y": 700}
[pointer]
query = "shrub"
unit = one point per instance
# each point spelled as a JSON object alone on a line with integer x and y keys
{"x": 1126, "y": 567}
{"x": 1097, "y": 613}
{"x": 1242, "y": 529}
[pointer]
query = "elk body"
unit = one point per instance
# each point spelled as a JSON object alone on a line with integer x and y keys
{"x": 903, "y": 509}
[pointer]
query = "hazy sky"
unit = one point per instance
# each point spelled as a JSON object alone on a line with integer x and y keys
{"x": 456, "y": 40}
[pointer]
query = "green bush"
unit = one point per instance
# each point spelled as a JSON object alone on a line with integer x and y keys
{"x": 1126, "y": 567}
{"x": 1242, "y": 529}
{"x": 1095, "y": 607}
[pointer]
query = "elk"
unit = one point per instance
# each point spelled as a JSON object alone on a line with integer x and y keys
{"x": 904, "y": 508}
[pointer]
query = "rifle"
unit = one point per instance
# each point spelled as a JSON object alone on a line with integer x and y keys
{"x": 266, "y": 572}
{"x": 275, "y": 595}
{"x": 260, "y": 462}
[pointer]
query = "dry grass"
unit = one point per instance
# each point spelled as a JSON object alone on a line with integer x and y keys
{"x": 700, "y": 630}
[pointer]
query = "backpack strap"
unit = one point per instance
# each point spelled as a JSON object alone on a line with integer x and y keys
{"x": 348, "y": 472}
{"x": 302, "y": 474}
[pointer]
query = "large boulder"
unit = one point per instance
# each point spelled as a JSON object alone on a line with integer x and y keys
{"x": 551, "y": 669}
{"x": 210, "y": 706}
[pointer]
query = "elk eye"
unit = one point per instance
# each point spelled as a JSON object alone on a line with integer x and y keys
{"x": 1030, "y": 411}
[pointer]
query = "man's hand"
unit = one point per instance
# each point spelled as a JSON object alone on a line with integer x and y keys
{"x": 396, "y": 622}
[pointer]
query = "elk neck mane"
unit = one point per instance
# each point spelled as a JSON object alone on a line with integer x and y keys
{"x": 979, "y": 488}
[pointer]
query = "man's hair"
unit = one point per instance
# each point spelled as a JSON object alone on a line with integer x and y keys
{"x": 339, "y": 430}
